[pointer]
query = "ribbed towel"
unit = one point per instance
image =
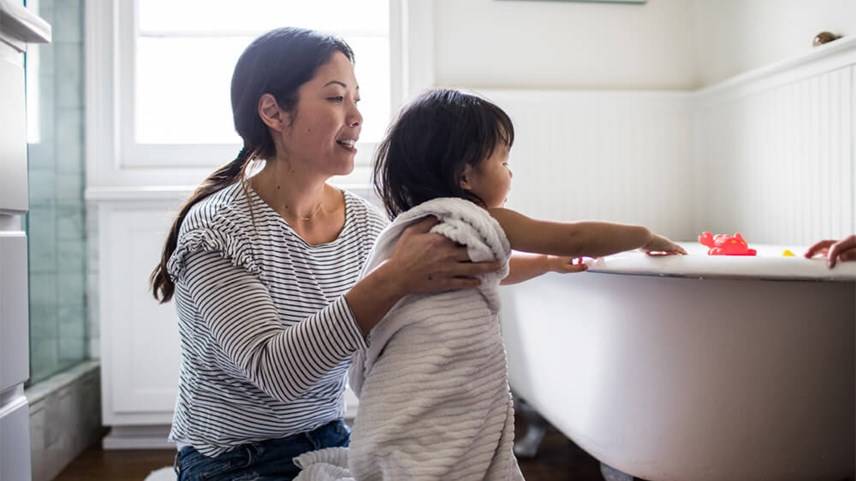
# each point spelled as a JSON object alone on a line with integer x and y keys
{"x": 433, "y": 388}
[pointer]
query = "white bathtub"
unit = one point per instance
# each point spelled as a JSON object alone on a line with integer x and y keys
{"x": 694, "y": 368}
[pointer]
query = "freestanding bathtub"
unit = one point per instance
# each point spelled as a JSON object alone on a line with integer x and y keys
{"x": 694, "y": 368}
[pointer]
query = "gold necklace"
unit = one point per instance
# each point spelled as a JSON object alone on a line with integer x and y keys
{"x": 305, "y": 218}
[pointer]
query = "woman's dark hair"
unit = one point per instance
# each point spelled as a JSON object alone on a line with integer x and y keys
{"x": 278, "y": 63}
{"x": 428, "y": 147}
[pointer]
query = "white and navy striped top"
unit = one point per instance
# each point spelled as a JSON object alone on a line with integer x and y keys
{"x": 266, "y": 334}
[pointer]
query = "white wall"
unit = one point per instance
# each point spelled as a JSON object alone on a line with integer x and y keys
{"x": 563, "y": 45}
{"x": 664, "y": 44}
{"x": 734, "y": 36}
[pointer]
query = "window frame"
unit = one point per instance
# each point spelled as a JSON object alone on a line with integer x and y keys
{"x": 116, "y": 163}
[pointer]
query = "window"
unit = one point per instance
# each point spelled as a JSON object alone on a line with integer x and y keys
{"x": 176, "y": 60}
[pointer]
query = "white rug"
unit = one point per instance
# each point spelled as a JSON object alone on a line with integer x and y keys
{"x": 163, "y": 474}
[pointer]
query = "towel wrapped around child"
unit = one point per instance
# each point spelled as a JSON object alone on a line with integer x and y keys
{"x": 434, "y": 398}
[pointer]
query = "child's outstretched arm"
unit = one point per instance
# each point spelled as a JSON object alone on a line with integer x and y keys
{"x": 578, "y": 239}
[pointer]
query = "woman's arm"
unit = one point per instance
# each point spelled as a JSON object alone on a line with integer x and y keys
{"x": 578, "y": 239}
{"x": 238, "y": 311}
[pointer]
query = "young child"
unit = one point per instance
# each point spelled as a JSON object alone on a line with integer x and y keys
{"x": 434, "y": 397}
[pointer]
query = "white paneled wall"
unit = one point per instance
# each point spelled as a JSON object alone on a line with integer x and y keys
{"x": 775, "y": 162}
{"x": 769, "y": 154}
{"x": 620, "y": 156}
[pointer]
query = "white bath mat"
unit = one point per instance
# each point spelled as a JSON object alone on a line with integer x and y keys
{"x": 163, "y": 474}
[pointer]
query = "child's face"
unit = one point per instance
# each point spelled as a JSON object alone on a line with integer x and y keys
{"x": 491, "y": 179}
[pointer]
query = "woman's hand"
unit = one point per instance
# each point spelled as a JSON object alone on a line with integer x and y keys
{"x": 661, "y": 246}
{"x": 424, "y": 262}
{"x": 421, "y": 262}
{"x": 834, "y": 251}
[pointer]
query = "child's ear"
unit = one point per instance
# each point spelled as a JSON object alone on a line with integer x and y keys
{"x": 271, "y": 114}
{"x": 464, "y": 181}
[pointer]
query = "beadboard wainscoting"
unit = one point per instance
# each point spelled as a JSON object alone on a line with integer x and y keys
{"x": 773, "y": 151}
{"x": 769, "y": 153}
{"x": 619, "y": 156}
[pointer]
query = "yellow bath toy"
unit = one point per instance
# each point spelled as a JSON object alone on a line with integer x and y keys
{"x": 788, "y": 253}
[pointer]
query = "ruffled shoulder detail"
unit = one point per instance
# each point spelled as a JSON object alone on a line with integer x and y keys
{"x": 230, "y": 247}
{"x": 212, "y": 225}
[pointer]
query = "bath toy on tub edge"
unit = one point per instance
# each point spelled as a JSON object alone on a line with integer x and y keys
{"x": 726, "y": 245}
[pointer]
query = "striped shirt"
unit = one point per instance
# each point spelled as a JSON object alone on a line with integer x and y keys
{"x": 266, "y": 333}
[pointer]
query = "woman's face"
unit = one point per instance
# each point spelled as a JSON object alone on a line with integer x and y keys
{"x": 491, "y": 179}
{"x": 325, "y": 124}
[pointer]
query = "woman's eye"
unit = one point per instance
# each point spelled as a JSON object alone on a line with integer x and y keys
{"x": 337, "y": 98}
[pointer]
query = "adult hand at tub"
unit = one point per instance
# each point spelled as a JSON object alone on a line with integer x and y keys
{"x": 424, "y": 262}
{"x": 834, "y": 250}
{"x": 662, "y": 246}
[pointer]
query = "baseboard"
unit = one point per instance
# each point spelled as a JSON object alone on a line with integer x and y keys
{"x": 138, "y": 437}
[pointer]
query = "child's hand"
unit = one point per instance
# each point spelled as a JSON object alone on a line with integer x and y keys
{"x": 565, "y": 265}
{"x": 661, "y": 246}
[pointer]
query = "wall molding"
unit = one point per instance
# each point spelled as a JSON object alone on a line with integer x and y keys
{"x": 832, "y": 56}
{"x": 172, "y": 193}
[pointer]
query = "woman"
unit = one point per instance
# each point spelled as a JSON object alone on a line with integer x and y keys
{"x": 264, "y": 269}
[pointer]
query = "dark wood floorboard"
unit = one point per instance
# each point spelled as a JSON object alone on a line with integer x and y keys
{"x": 96, "y": 464}
{"x": 558, "y": 460}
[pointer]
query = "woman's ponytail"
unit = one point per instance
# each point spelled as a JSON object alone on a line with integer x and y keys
{"x": 162, "y": 285}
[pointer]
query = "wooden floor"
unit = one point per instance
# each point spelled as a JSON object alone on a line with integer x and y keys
{"x": 558, "y": 460}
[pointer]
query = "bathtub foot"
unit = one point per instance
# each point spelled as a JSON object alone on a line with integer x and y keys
{"x": 526, "y": 447}
{"x": 611, "y": 474}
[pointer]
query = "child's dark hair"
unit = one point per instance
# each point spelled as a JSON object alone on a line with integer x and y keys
{"x": 428, "y": 147}
{"x": 278, "y": 63}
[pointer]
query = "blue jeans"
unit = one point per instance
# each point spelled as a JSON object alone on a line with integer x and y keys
{"x": 269, "y": 460}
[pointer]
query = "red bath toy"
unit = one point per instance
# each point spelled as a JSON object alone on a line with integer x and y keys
{"x": 726, "y": 245}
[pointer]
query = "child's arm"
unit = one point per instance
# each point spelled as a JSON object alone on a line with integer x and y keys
{"x": 522, "y": 266}
{"x": 578, "y": 239}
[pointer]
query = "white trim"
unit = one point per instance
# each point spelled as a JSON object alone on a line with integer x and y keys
{"x": 832, "y": 56}
{"x": 138, "y": 193}
{"x": 244, "y": 33}
{"x": 138, "y": 437}
{"x": 171, "y": 193}
{"x": 100, "y": 113}
{"x": 416, "y": 54}
{"x": 19, "y": 26}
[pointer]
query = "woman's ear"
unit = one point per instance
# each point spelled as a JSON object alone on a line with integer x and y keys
{"x": 271, "y": 114}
